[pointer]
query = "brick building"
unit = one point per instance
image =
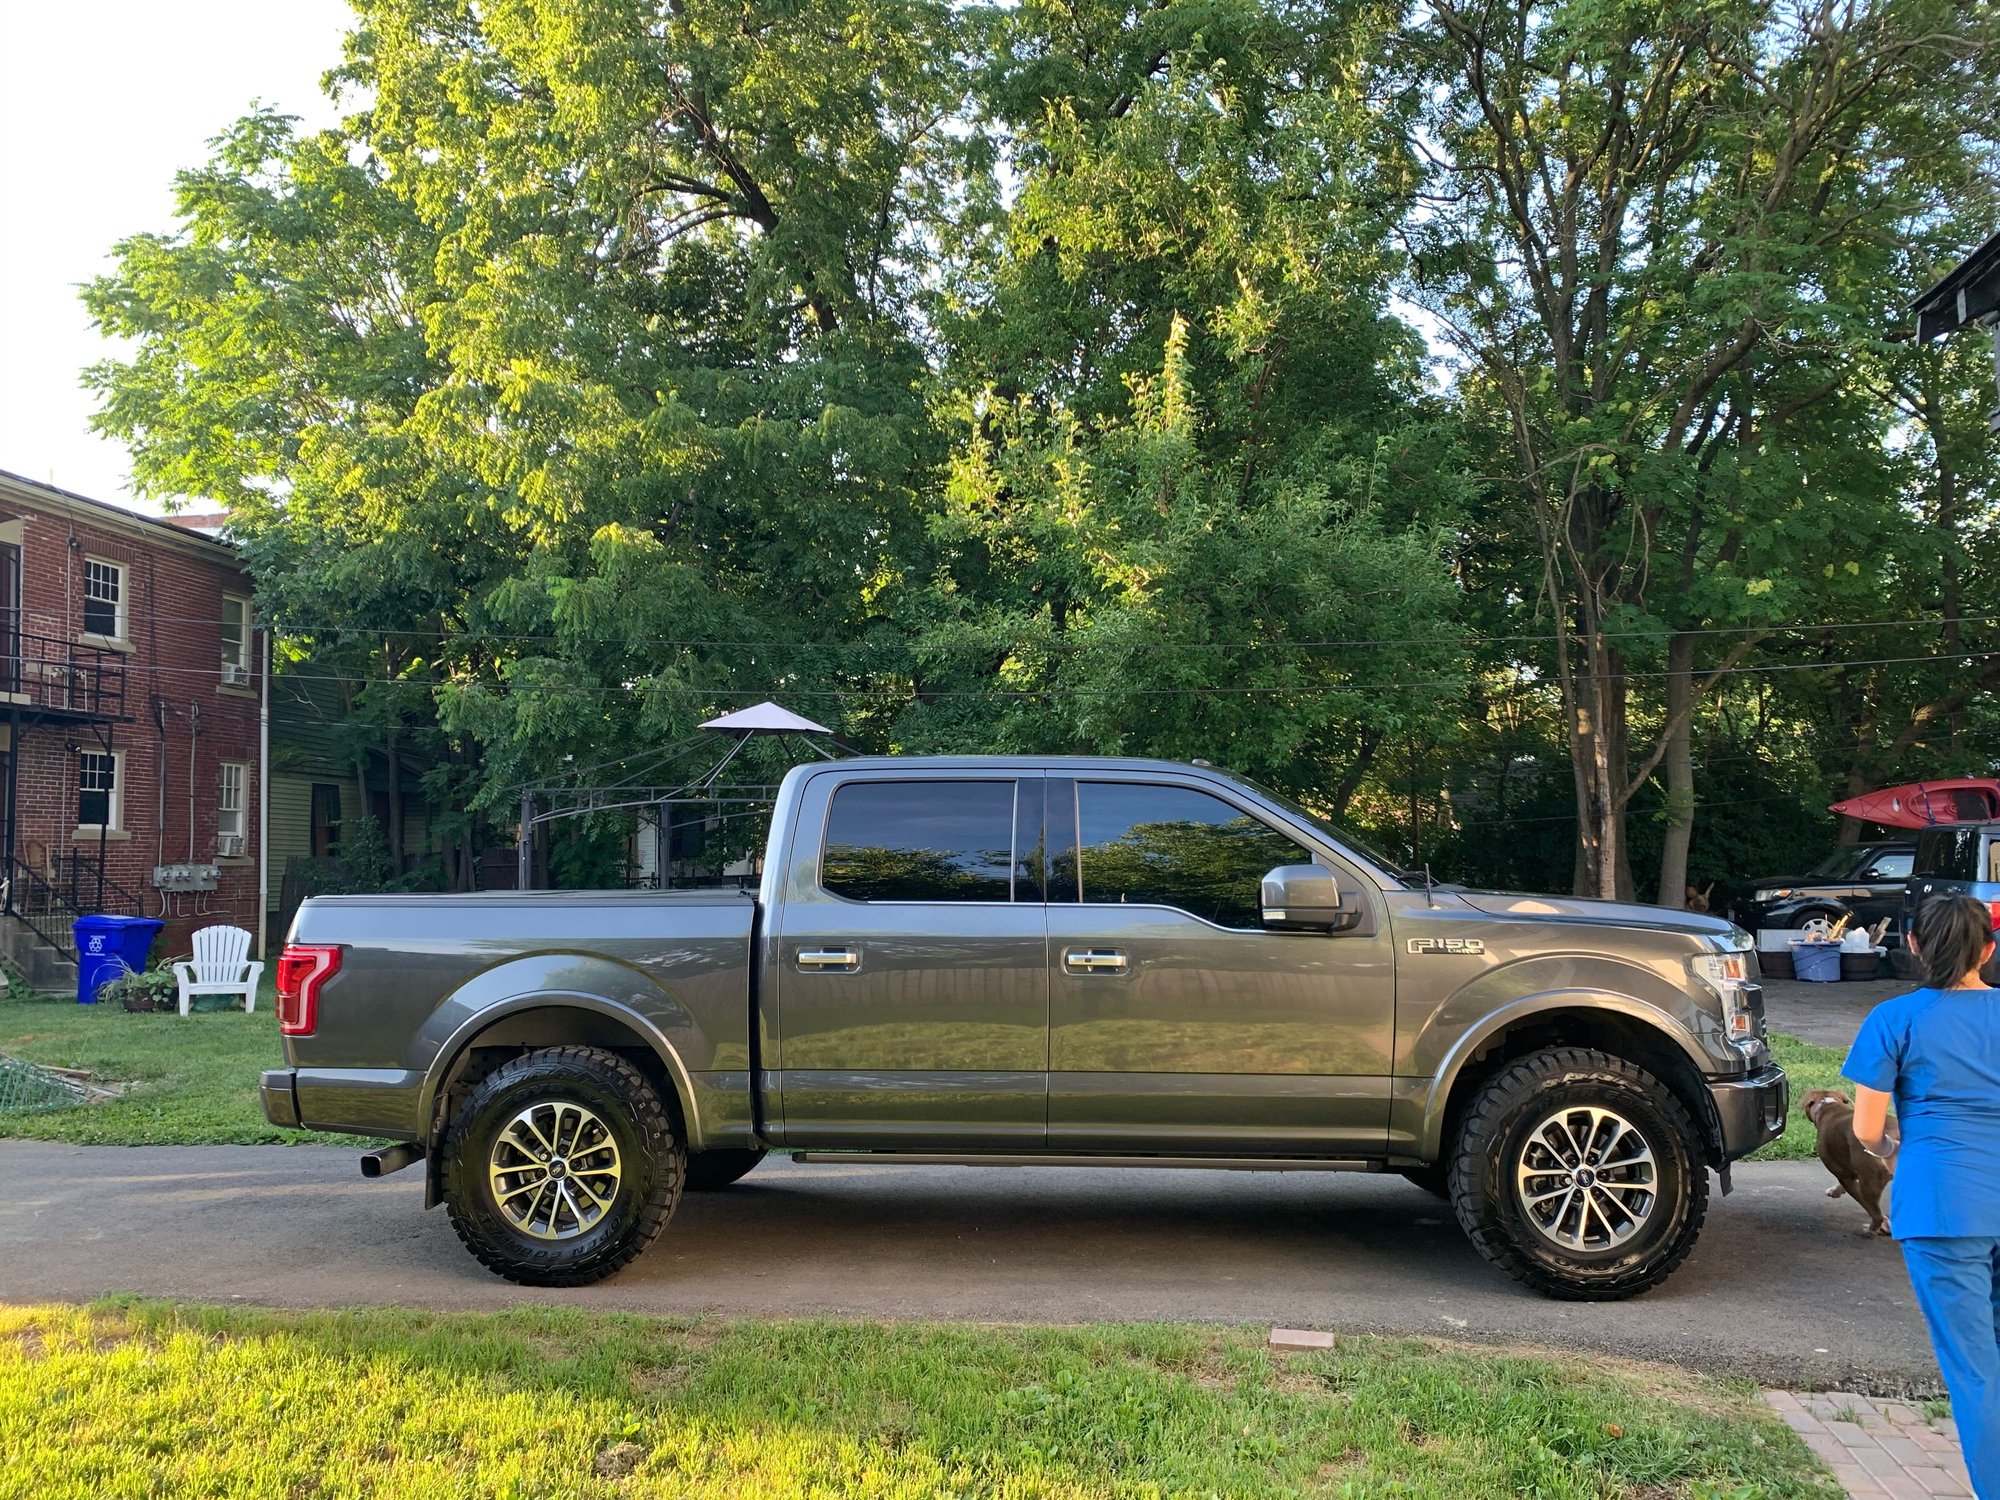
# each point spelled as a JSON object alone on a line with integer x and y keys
{"x": 131, "y": 724}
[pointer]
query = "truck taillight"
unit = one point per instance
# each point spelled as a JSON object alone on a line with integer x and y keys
{"x": 302, "y": 969}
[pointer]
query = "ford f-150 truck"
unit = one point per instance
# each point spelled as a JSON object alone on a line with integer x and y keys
{"x": 1053, "y": 961}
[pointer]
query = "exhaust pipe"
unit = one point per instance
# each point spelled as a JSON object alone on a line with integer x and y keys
{"x": 391, "y": 1159}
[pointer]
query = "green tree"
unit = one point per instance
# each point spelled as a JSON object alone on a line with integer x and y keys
{"x": 1198, "y": 503}
{"x": 573, "y": 379}
{"x": 1659, "y": 239}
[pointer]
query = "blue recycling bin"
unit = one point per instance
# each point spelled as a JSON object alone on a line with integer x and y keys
{"x": 108, "y": 947}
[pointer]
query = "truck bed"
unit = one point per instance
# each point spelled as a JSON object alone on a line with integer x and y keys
{"x": 420, "y": 973}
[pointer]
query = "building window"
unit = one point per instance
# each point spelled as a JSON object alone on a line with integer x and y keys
{"x": 103, "y": 599}
{"x": 230, "y": 823}
{"x": 98, "y": 799}
{"x": 235, "y": 640}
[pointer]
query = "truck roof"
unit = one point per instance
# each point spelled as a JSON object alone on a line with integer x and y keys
{"x": 1016, "y": 762}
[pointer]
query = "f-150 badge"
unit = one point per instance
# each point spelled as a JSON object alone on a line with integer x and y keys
{"x": 1447, "y": 945}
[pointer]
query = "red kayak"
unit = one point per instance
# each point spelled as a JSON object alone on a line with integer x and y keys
{"x": 1964, "y": 799}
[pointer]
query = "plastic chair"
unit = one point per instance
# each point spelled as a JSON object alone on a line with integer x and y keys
{"x": 222, "y": 966}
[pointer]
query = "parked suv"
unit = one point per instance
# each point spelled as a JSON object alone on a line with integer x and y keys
{"x": 1961, "y": 859}
{"x": 1864, "y": 881}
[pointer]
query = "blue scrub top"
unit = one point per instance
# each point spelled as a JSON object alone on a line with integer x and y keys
{"x": 1938, "y": 1052}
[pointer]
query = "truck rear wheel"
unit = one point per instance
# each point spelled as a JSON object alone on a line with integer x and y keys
{"x": 561, "y": 1167}
{"x": 1580, "y": 1175}
{"x": 709, "y": 1170}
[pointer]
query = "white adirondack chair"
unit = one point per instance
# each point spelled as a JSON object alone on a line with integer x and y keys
{"x": 222, "y": 966}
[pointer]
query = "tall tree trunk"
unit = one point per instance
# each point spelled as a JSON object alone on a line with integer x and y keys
{"x": 1679, "y": 766}
{"x": 1617, "y": 744}
{"x": 394, "y": 782}
{"x": 1599, "y": 764}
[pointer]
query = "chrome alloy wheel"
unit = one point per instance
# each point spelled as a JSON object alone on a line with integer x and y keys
{"x": 555, "y": 1170}
{"x": 1587, "y": 1179}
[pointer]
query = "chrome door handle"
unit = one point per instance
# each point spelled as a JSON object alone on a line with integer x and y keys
{"x": 1095, "y": 961}
{"x": 840, "y": 960}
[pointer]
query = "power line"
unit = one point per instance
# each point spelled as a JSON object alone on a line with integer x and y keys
{"x": 471, "y": 635}
{"x": 791, "y": 690}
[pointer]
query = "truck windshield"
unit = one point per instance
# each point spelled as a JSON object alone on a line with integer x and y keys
{"x": 1394, "y": 866}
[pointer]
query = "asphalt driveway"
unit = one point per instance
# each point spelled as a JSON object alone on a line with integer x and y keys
{"x": 1827, "y": 1015}
{"x": 1781, "y": 1289}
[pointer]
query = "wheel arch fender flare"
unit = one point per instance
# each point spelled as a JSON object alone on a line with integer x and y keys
{"x": 1675, "y": 1041}
{"x": 584, "y": 986}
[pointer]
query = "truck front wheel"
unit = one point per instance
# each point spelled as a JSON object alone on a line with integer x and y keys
{"x": 561, "y": 1167}
{"x": 1580, "y": 1175}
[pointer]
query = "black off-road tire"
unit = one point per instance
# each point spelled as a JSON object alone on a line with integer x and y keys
{"x": 1496, "y": 1132}
{"x": 652, "y": 1160}
{"x": 709, "y": 1170}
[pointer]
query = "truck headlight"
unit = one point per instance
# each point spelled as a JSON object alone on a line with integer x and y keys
{"x": 1731, "y": 977}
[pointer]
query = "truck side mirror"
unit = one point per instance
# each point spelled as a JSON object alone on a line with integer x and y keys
{"x": 1308, "y": 898}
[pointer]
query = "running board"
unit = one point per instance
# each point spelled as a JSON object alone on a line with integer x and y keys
{"x": 979, "y": 1159}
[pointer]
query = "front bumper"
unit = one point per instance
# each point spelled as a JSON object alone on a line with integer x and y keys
{"x": 281, "y": 1100}
{"x": 1751, "y": 1111}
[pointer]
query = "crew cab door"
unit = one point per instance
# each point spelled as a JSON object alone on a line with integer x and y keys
{"x": 1177, "y": 1023}
{"x": 910, "y": 965}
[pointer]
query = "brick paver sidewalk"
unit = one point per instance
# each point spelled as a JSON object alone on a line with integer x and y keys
{"x": 1877, "y": 1448}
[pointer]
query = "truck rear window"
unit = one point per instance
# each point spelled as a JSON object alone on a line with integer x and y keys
{"x": 921, "y": 841}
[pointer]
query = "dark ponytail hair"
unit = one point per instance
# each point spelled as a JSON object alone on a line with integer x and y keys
{"x": 1952, "y": 933}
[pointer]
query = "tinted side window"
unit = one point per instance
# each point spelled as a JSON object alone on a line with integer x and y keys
{"x": 921, "y": 841}
{"x": 1172, "y": 846}
{"x": 1949, "y": 853}
{"x": 1894, "y": 865}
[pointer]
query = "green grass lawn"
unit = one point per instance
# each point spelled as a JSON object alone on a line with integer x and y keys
{"x": 153, "y": 1399}
{"x": 1808, "y": 1067}
{"x": 195, "y": 1080}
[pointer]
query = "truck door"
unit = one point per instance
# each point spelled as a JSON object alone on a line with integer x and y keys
{"x": 1177, "y": 1024}
{"x": 911, "y": 968}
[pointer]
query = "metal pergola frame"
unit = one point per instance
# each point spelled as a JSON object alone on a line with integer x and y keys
{"x": 547, "y": 804}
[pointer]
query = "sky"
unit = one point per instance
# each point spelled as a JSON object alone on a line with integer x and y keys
{"x": 100, "y": 104}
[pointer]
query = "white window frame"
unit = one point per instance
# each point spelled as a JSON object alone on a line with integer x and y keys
{"x": 121, "y": 607}
{"x": 241, "y": 661}
{"x": 114, "y": 821}
{"x": 235, "y": 819}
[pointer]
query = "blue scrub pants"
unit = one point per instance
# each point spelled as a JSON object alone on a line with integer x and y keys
{"x": 1957, "y": 1282}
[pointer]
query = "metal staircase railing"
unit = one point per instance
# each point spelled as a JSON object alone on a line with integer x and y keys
{"x": 61, "y": 676}
{"x": 49, "y": 907}
{"x": 40, "y": 907}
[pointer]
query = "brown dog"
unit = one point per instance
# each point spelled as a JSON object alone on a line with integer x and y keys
{"x": 1862, "y": 1177}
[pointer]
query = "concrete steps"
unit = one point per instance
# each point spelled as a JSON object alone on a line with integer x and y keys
{"x": 45, "y": 968}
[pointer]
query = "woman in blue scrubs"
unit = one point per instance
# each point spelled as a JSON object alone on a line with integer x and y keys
{"x": 1935, "y": 1053}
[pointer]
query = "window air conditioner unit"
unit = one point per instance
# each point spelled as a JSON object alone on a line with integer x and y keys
{"x": 228, "y": 845}
{"x": 235, "y": 676}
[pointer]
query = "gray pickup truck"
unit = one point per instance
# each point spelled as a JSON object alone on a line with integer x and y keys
{"x": 1007, "y": 961}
